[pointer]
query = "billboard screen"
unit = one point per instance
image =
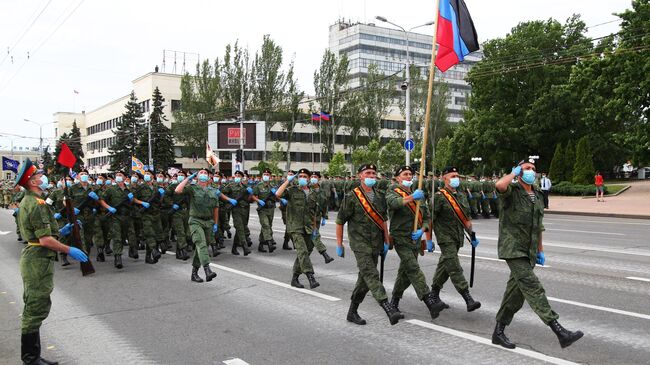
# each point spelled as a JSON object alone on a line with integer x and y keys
{"x": 225, "y": 135}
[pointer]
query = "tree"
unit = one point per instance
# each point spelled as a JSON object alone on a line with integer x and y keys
{"x": 443, "y": 153}
{"x": 556, "y": 171}
{"x": 73, "y": 141}
{"x": 291, "y": 105}
{"x": 126, "y": 136}
{"x": 352, "y": 119}
{"x": 277, "y": 155}
{"x": 583, "y": 169}
{"x": 366, "y": 154}
{"x": 336, "y": 166}
{"x": 329, "y": 81}
{"x": 374, "y": 100}
{"x": 48, "y": 161}
{"x": 162, "y": 143}
{"x": 237, "y": 74}
{"x": 569, "y": 161}
{"x": 391, "y": 156}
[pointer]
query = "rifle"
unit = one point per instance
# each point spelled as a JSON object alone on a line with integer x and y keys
{"x": 471, "y": 271}
{"x": 155, "y": 197}
{"x": 270, "y": 198}
{"x": 86, "y": 267}
{"x": 117, "y": 207}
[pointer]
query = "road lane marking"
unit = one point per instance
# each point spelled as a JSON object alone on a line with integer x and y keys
{"x": 485, "y": 341}
{"x": 583, "y": 247}
{"x": 599, "y": 222}
{"x": 235, "y": 361}
{"x": 593, "y": 232}
{"x": 597, "y": 307}
{"x": 2, "y": 233}
{"x": 275, "y": 282}
{"x": 637, "y": 278}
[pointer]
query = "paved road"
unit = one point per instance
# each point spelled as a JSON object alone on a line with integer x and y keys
{"x": 153, "y": 314}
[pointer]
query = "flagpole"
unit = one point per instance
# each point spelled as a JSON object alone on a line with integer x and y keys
{"x": 320, "y": 138}
{"x": 427, "y": 117}
{"x": 312, "y": 143}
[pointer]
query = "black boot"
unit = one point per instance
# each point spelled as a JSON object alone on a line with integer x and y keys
{"x": 295, "y": 283}
{"x": 215, "y": 250}
{"x": 247, "y": 251}
{"x": 499, "y": 337}
{"x": 234, "y": 250}
{"x": 394, "y": 301}
{"x": 64, "y": 260}
{"x": 327, "y": 257}
{"x": 163, "y": 247}
{"x": 312, "y": 281}
{"x": 147, "y": 256}
{"x": 31, "y": 350}
{"x": 132, "y": 252}
{"x": 353, "y": 315}
{"x": 155, "y": 254}
{"x": 209, "y": 274}
{"x": 285, "y": 245}
{"x": 184, "y": 255}
{"x": 108, "y": 250}
{"x": 472, "y": 305}
{"x": 565, "y": 336}
{"x": 118, "y": 261}
{"x": 195, "y": 275}
{"x": 20, "y": 239}
{"x": 271, "y": 245}
{"x": 393, "y": 315}
{"x": 220, "y": 243}
{"x": 100, "y": 254}
{"x": 434, "y": 304}
{"x": 249, "y": 242}
{"x": 260, "y": 247}
{"x": 178, "y": 253}
{"x": 435, "y": 291}
{"x": 228, "y": 233}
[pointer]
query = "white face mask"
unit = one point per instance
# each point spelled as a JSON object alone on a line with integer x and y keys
{"x": 407, "y": 183}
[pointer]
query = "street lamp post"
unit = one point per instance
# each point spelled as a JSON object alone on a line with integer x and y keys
{"x": 40, "y": 135}
{"x": 407, "y": 84}
{"x": 149, "y": 134}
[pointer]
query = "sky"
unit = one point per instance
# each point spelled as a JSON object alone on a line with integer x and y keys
{"x": 98, "y": 47}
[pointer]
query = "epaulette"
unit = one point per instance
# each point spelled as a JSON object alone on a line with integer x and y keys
{"x": 40, "y": 201}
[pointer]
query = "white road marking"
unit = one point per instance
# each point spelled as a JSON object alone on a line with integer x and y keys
{"x": 637, "y": 278}
{"x": 597, "y": 307}
{"x": 593, "y": 232}
{"x": 599, "y": 222}
{"x": 3, "y": 233}
{"x": 235, "y": 361}
{"x": 487, "y": 342}
{"x": 275, "y": 282}
{"x": 583, "y": 247}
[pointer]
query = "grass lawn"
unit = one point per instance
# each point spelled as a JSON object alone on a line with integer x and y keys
{"x": 613, "y": 189}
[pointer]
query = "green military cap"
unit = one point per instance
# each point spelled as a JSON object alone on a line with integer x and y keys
{"x": 368, "y": 166}
{"x": 27, "y": 170}
{"x": 239, "y": 173}
{"x": 402, "y": 169}
{"x": 449, "y": 169}
{"x": 304, "y": 171}
{"x": 317, "y": 173}
{"x": 267, "y": 171}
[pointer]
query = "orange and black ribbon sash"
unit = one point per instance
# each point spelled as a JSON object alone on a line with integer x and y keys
{"x": 412, "y": 205}
{"x": 369, "y": 209}
{"x": 458, "y": 211}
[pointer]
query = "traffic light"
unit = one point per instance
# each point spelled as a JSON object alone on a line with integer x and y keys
{"x": 239, "y": 155}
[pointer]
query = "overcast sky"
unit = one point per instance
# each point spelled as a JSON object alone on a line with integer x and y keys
{"x": 104, "y": 45}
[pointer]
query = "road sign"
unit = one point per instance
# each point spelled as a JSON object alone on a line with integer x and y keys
{"x": 409, "y": 145}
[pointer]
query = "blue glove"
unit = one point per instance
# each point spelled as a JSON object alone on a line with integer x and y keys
{"x": 516, "y": 170}
{"x": 77, "y": 254}
{"x": 249, "y": 190}
{"x": 430, "y": 247}
{"x": 80, "y": 224}
{"x": 474, "y": 240}
{"x": 130, "y": 196}
{"x": 541, "y": 258}
{"x": 314, "y": 233}
{"x": 76, "y": 211}
{"x": 112, "y": 210}
{"x": 418, "y": 194}
{"x": 65, "y": 230}
{"x": 291, "y": 177}
{"x": 416, "y": 235}
{"x": 175, "y": 207}
{"x": 284, "y": 201}
{"x": 261, "y": 203}
{"x": 386, "y": 247}
{"x": 470, "y": 197}
{"x": 217, "y": 193}
{"x": 192, "y": 176}
{"x": 146, "y": 205}
{"x": 340, "y": 251}
{"x": 323, "y": 221}
{"x": 161, "y": 191}
{"x": 92, "y": 195}
{"x": 16, "y": 210}
{"x": 215, "y": 228}
{"x": 57, "y": 216}
{"x": 273, "y": 190}
{"x": 233, "y": 202}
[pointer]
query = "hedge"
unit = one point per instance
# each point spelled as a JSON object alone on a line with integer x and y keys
{"x": 570, "y": 189}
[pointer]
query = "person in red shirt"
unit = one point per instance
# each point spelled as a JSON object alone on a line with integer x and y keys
{"x": 599, "y": 186}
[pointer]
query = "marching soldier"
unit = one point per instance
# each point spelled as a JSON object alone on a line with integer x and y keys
{"x": 41, "y": 230}
{"x": 264, "y": 195}
{"x": 239, "y": 192}
{"x": 301, "y": 224}
{"x": 520, "y": 245}
{"x": 364, "y": 209}
{"x": 322, "y": 196}
{"x": 283, "y": 210}
{"x": 487, "y": 191}
{"x": 401, "y": 208}
{"x": 450, "y": 222}
{"x": 83, "y": 199}
{"x": 149, "y": 196}
{"x": 179, "y": 217}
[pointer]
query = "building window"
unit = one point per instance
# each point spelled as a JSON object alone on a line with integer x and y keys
{"x": 176, "y": 105}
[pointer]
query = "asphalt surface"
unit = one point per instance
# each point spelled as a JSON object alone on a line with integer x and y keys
{"x": 153, "y": 314}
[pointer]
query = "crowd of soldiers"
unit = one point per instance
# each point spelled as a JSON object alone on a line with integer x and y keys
{"x": 197, "y": 211}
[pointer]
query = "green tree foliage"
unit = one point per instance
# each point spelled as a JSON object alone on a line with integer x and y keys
{"x": 366, "y": 154}
{"x": 375, "y": 97}
{"x": 583, "y": 169}
{"x": 556, "y": 171}
{"x": 126, "y": 134}
{"x": 73, "y": 140}
{"x": 162, "y": 143}
{"x": 329, "y": 81}
{"x": 336, "y": 166}
{"x": 291, "y": 106}
{"x": 48, "y": 160}
{"x": 569, "y": 161}
{"x": 391, "y": 156}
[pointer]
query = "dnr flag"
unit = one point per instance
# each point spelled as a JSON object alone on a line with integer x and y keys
{"x": 137, "y": 165}
{"x": 456, "y": 36}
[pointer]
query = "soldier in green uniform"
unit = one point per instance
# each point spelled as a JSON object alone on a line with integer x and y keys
{"x": 149, "y": 196}
{"x": 494, "y": 198}
{"x": 520, "y": 245}
{"x": 203, "y": 221}
{"x": 364, "y": 209}
{"x": 104, "y": 220}
{"x": 179, "y": 216}
{"x": 224, "y": 215}
{"x": 41, "y": 231}
{"x": 19, "y": 193}
{"x": 450, "y": 222}
{"x": 84, "y": 200}
{"x": 401, "y": 210}
{"x": 322, "y": 196}
{"x": 301, "y": 224}
{"x": 238, "y": 191}
{"x": 264, "y": 195}
{"x": 283, "y": 210}
{"x": 162, "y": 180}
{"x": 474, "y": 196}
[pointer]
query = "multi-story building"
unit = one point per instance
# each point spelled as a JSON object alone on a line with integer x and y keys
{"x": 19, "y": 154}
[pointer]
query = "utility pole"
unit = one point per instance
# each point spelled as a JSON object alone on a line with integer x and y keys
{"x": 241, "y": 125}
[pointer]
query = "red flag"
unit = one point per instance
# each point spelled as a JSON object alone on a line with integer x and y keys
{"x": 66, "y": 158}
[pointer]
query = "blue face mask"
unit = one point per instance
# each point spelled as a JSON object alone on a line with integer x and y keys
{"x": 100, "y": 182}
{"x": 238, "y": 180}
{"x": 223, "y": 181}
{"x": 59, "y": 184}
{"x": 407, "y": 183}
{"x": 528, "y": 176}
{"x": 215, "y": 179}
{"x": 83, "y": 178}
{"x": 266, "y": 177}
{"x": 68, "y": 183}
{"x": 313, "y": 181}
{"x": 134, "y": 179}
{"x": 369, "y": 181}
{"x": 119, "y": 179}
{"x": 302, "y": 181}
{"x": 108, "y": 182}
{"x": 44, "y": 182}
{"x": 147, "y": 178}
{"x": 180, "y": 178}
{"x": 160, "y": 180}
{"x": 203, "y": 178}
{"x": 454, "y": 182}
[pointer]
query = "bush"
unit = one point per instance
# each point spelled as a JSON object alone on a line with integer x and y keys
{"x": 583, "y": 169}
{"x": 570, "y": 189}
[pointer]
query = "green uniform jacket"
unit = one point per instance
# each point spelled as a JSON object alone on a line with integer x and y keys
{"x": 149, "y": 194}
{"x": 447, "y": 228}
{"x": 301, "y": 210}
{"x": 520, "y": 223}
{"x": 323, "y": 198}
{"x": 202, "y": 201}
{"x": 263, "y": 192}
{"x": 363, "y": 234}
{"x": 36, "y": 220}
{"x": 114, "y": 196}
{"x": 238, "y": 192}
{"x": 401, "y": 216}
{"x": 79, "y": 195}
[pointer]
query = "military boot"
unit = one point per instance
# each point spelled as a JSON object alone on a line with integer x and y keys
{"x": 178, "y": 253}
{"x": 141, "y": 245}
{"x": 131, "y": 252}
{"x": 215, "y": 250}
{"x": 499, "y": 337}
{"x": 228, "y": 233}
{"x": 147, "y": 256}
{"x": 394, "y": 301}
{"x": 434, "y": 304}
{"x": 64, "y": 260}
{"x": 195, "y": 275}
{"x": 220, "y": 243}
{"x": 565, "y": 336}
{"x": 108, "y": 250}
{"x": 249, "y": 242}
{"x": 162, "y": 246}
{"x": 118, "y": 261}
{"x": 20, "y": 238}
{"x": 435, "y": 291}
{"x": 472, "y": 305}
{"x": 247, "y": 250}
{"x": 100, "y": 254}
{"x": 294, "y": 281}
{"x": 285, "y": 245}
{"x": 353, "y": 315}
{"x": 260, "y": 247}
{"x": 184, "y": 255}
{"x": 209, "y": 274}
{"x": 393, "y": 315}
{"x": 234, "y": 250}
{"x": 312, "y": 281}
{"x": 327, "y": 257}
{"x": 31, "y": 350}
{"x": 271, "y": 245}
{"x": 155, "y": 254}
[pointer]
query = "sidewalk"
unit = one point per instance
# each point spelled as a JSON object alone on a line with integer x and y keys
{"x": 633, "y": 203}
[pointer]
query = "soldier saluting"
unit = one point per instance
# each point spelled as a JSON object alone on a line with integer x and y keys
{"x": 520, "y": 245}
{"x": 40, "y": 229}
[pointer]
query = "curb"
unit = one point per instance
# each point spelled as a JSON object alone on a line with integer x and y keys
{"x": 610, "y": 195}
{"x": 595, "y": 214}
